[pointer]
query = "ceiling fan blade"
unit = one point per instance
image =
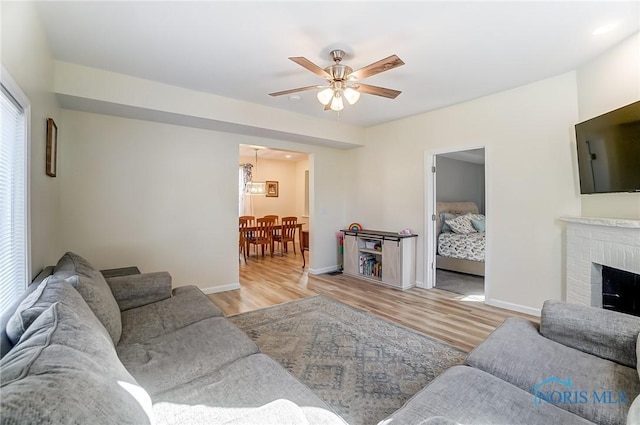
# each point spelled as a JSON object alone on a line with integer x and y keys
{"x": 377, "y": 67}
{"x": 306, "y": 63}
{"x": 327, "y": 107}
{"x": 280, "y": 93}
{"x": 378, "y": 91}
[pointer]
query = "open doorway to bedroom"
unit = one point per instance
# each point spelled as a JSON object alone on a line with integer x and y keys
{"x": 460, "y": 222}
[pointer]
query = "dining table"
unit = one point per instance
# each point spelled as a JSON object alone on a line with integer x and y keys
{"x": 276, "y": 228}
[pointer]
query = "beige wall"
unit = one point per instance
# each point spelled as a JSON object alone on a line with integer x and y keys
{"x": 28, "y": 59}
{"x": 282, "y": 171}
{"x": 610, "y": 81}
{"x": 164, "y": 197}
{"x": 152, "y": 195}
{"x": 531, "y": 182}
{"x": 301, "y": 168}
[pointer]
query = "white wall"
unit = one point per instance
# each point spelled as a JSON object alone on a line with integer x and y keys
{"x": 608, "y": 82}
{"x": 27, "y": 57}
{"x": 164, "y": 197}
{"x": 301, "y": 168}
{"x": 153, "y": 195}
{"x": 531, "y": 181}
{"x": 460, "y": 181}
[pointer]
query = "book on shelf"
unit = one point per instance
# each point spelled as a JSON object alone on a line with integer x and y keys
{"x": 370, "y": 266}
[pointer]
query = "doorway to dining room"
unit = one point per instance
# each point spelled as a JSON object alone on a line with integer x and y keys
{"x": 286, "y": 190}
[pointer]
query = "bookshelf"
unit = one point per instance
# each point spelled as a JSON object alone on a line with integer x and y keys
{"x": 382, "y": 257}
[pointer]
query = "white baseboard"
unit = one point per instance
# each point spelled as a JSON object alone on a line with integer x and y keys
{"x": 221, "y": 288}
{"x": 514, "y": 307}
{"x": 324, "y": 269}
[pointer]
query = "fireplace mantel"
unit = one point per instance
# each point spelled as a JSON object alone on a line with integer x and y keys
{"x": 608, "y": 222}
{"x": 593, "y": 243}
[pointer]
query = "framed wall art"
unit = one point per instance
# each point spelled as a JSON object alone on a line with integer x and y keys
{"x": 51, "y": 167}
{"x": 272, "y": 189}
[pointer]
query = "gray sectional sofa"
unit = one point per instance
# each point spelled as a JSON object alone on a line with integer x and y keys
{"x": 81, "y": 348}
{"x": 84, "y": 349}
{"x": 579, "y": 366}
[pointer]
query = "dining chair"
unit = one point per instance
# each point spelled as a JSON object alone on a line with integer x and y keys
{"x": 287, "y": 234}
{"x": 272, "y": 217}
{"x": 263, "y": 235}
{"x": 244, "y": 223}
{"x": 250, "y": 218}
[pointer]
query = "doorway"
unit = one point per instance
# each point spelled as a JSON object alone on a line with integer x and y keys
{"x": 457, "y": 212}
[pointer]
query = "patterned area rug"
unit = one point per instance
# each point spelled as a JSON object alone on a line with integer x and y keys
{"x": 363, "y": 366}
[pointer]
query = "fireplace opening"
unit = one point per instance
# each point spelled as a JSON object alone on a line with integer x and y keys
{"x": 620, "y": 291}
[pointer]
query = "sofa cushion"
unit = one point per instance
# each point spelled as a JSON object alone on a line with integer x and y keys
{"x": 517, "y": 353}
{"x": 470, "y": 396}
{"x": 237, "y": 389}
{"x": 21, "y": 317}
{"x": 48, "y": 292}
{"x": 181, "y": 356}
{"x": 93, "y": 288}
{"x": 187, "y": 306}
{"x": 65, "y": 371}
{"x": 603, "y": 333}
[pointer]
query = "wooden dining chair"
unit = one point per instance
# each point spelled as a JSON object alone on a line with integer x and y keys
{"x": 244, "y": 223}
{"x": 287, "y": 234}
{"x": 251, "y": 219}
{"x": 272, "y": 217}
{"x": 263, "y": 235}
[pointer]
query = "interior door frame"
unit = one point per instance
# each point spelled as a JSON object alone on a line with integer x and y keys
{"x": 430, "y": 211}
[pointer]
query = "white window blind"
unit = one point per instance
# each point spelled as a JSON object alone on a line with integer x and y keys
{"x": 13, "y": 213}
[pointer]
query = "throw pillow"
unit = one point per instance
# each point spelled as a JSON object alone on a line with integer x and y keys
{"x": 479, "y": 225}
{"x": 50, "y": 291}
{"x": 64, "y": 371}
{"x": 91, "y": 284}
{"x": 461, "y": 224}
{"x": 443, "y": 219}
{"x": 17, "y": 323}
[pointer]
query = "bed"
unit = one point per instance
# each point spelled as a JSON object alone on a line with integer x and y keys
{"x": 461, "y": 249}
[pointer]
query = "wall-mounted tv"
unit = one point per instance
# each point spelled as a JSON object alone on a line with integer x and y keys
{"x": 609, "y": 151}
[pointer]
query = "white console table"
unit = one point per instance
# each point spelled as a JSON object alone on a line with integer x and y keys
{"x": 383, "y": 257}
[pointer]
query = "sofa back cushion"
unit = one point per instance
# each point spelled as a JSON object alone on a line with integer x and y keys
{"x": 48, "y": 292}
{"x": 604, "y": 333}
{"x": 5, "y": 343}
{"x": 94, "y": 289}
{"x": 65, "y": 370}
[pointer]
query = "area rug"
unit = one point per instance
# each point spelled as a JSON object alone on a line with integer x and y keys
{"x": 363, "y": 366}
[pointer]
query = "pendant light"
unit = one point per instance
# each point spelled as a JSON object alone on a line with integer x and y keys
{"x": 256, "y": 187}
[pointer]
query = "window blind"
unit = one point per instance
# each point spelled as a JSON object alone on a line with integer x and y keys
{"x": 13, "y": 214}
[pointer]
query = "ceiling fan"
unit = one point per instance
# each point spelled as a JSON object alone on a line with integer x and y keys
{"x": 342, "y": 80}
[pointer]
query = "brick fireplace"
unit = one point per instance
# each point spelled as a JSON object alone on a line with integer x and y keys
{"x": 593, "y": 243}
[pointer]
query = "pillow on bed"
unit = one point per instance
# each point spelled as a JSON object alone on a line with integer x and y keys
{"x": 461, "y": 224}
{"x": 443, "y": 219}
{"x": 479, "y": 225}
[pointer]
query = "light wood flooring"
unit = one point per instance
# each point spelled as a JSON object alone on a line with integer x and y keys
{"x": 452, "y": 318}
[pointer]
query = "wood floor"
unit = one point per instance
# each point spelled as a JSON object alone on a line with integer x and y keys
{"x": 452, "y": 318}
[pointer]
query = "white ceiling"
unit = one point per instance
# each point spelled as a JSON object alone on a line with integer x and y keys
{"x": 454, "y": 51}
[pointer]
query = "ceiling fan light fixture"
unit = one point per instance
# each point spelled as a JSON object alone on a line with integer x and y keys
{"x": 336, "y": 103}
{"x": 352, "y": 95}
{"x": 324, "y": 96}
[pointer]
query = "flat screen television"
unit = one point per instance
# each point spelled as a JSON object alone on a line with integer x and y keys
{"x": 609, "y": 151}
